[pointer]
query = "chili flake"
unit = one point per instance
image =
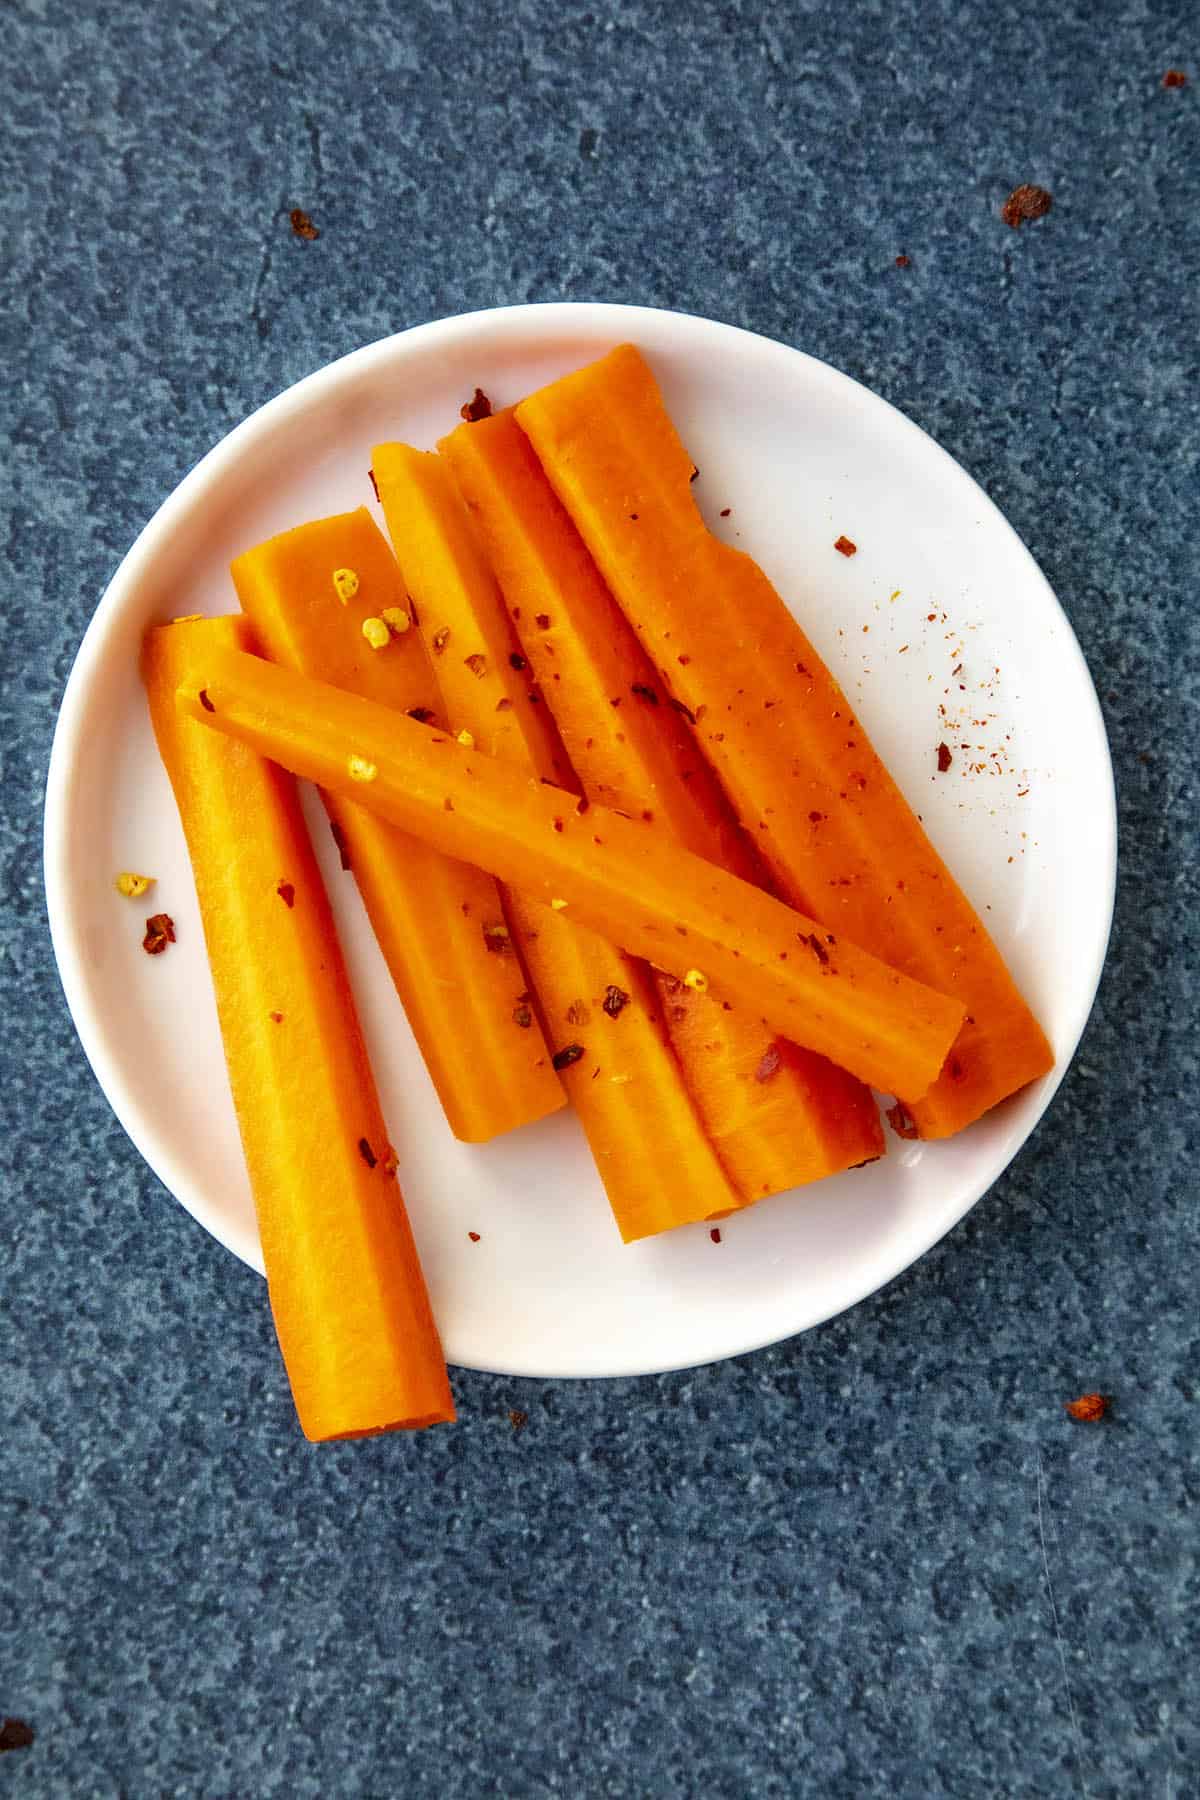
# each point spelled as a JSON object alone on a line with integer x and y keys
{"x": 345, "y": 584}
{"x": 376, "y": 633}
{"x": 1174, "y": 78}
{"x": 816, "y": 946}
{"x": 570, "y": 1053}
{"x": 476, "y": 408}
{"x": 1026, "y": 202}
{"x": 903, "y": 261}
{"x": 339, "y": 838}
{"x": 474, "y": 1236}
{"x": 477, "y": 665}
{"x": 422, "y": 714}
{"x": 615, "y": 1000}
{"x": 846, "y": 546}
{"x": 1088, "y": 1408}
{"x": 374, "y": 483}
{"x": 542, "y": 621}
{"x": 523, "y": 1017}
{"x": 287, "y": 894}
{"x": 133, "y": 886}
{"x": 715, "y": 1234}
{"x": 276, "y": 1018}
{"x": 687, "y": 712}
{"x": 902, "y": 1121}
{"x": 517, "y": 1419}
{"x": 945, "y": 758}
{"x": 15, "y": 1734}
{"x": 497, "y": 937}
{"x": 204, "y": 700}
{"x": 577, "y": 1013}
{"x": 302, "y": 225}
{"x": 160, "y": 931}
{"x": 516, "y": 660}
{"x": 366, "y": 1152}
{"x": 645, "y": 693}
{"x": 772, "y": 1062}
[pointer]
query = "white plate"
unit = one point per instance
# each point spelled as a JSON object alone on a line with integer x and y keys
{"x": 800, "y": 454}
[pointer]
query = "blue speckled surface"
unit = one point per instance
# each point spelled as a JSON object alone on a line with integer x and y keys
{"x": 878, "y": 1559}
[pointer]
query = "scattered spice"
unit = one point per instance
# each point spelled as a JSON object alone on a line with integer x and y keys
{"x": 396, "y": 620}
{"x": 422, "y": 714}
{"x": 287, "y": 894}
{"x": 615, "y": 1000}
{"x": 359, "y": 769}
{"x": 1088, "y": 1408}
{"x": 15, "y": 1734}
{"x": 374, "y": 483}
{"x": 376, "y": 633}
{"x": 205, "y": 702}
{"x": 695, "y": 474}
{"x": 1174, "y": 78}
{"x": 902, "y": 1121}
{"x": 523, "y": 1017}
{"x": 903, "y": 261}
{"x": 846, "y": 545}
{"x": 474, "y": 1236}
{"x": 578, "y": 1013}
{"x": 345, "y": 584}
{"x": 715, "y": 1234}
{"x": 160, "y": 931}
{"x": 1026, "y": 202}
{"x": 816, "y": 946}
{"x": 133, "y": 886}
{"x": 302, "y": 225}
{"x": 772, "y": 1062}
{"x": 517, "y": 661}
{"x": 645, "y": 693}
{"x": 542, "y": 621}
{"x": 687, "y": 712}
{"x": 276, "y": 1018}
{"x": 476, "y": 408}
{"x": 570, "y": 1053}
{"x": 339, "y": 838}
{"x": 367, "y": 1154}
{"x": 497, "y": 937}
{"x": 477, "y": 665}
{"x": 440, "y": 639}
{"x": 944, "y": 758}
{"x": 517, "y": 1419}
{"x": 725, "y": 511}
{"x": 816, "y": 818}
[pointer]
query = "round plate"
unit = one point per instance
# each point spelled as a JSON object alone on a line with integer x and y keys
{"x": 941, "y": 608}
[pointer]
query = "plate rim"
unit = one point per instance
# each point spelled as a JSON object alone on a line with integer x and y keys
{"x": 139, "y": 558}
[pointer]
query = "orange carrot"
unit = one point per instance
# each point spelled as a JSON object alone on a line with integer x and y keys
{"x": 835, "y": 831}
{"x": 327, "y": 600}
{"x": 777, "y": 1116}
{"x": 600, "y": 1008}
{"x": 351, "y": 1311}
{"x": 616, "y": 876}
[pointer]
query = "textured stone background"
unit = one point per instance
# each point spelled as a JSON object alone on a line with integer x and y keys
{"x": 877, "y": 1559}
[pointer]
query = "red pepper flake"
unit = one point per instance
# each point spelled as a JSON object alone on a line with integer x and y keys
{"x": 497, "y": 937}
{"x": 339, "y": 838}
{"x": 477, "y": 665}
{"x": 687, "y": 712}
{"x": 902, "y": 1121}
{"x": 391, "y": 1162}
{"x": 440, "y": 639}
{"x": 645, "y": 693}
{"x": 476, "y": 408}
{"x": 715, "y": 1234}
{"x": 1088, "y": 1408}
{"x": 570, "y": 1053}
{"x": 517, "y": 1419}
{"x": 846, "y": 545}
{"x": 578, "y": 1013}
{"x": 695, "y": 474}
{"x": 1175, "y": 78}
{"x": 944, "y": 757}
{"x": 558, "y": 824}
{"x": 160, "y": 931}
{"x": 367, "y": 1154}
{"x": 584, "y": 804}
{"x": 1026, "y": 202}
{"x": 474, "y": 1236}
{"x": 772, "y": 1062}
{"x": 287, "y": 894}
{"x": 523, "y": 1017}
{"x": 816, "y": 818}
{"x": 422, "y": 714}
{"x": 205, "y": 702}
{"x": 302, "y": 225}
{"x": 276, "y": 1018}
{"x": 683, "y": 661}
{"x": 902, "y": 261}
{"x": 816, "y": 946}
{"x": 542, "y": 621}
{"x": 374, "y": 483}
{"x": 517, "y": 661}
{"x": 615, "y": 1000}
{"x": 725, "y": 511}
{"x": 15, "y": 1734}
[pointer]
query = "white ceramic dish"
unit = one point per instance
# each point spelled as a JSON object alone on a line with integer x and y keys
{"x": 800, "y": 455}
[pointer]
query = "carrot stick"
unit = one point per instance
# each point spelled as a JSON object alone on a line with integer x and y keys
{"x": 778, "y": 1116}
{"x": 351, "y": 1312}
{"x": 601, "y": 1011}
{"x": 616, "y": 876}
{"x": 834, "y": 829}
{"x": 438, "y": 922}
